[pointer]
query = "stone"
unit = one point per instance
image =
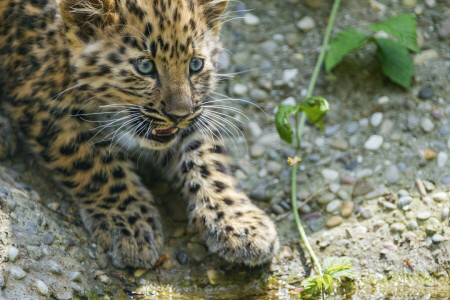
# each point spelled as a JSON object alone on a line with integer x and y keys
{"x": 440, "y": 196}
{"x": 398, "y": 227}
{"x": 425, "y": 93}
{"x": 54, "y": 267}
{"x": 331, "y": 130}
{"x": 53, "y": 206}
{"x": 197, "y": 251}
{"x": 254, "y": 129}
{"x": 445, "y": 213}
{"x": 334, "y": 206}
{"x": 425, "y": 56}
{"x": 442, "y": 159}
{"x": 240, "y": 89}
{"x": 429, "y": 186}
{"x": 258, "y": 95}
{"x": 269, "y": 47}
{"x": 361, "y": 188}
{"x": 41, "y": 287}
{"x": 424, "y": 215}
{"x": 250, "y": 19}
{"x": 340, "y": 145}
{"x": 437, "y": 238}
{"x": 277, "y": 209}
{"x": 13, "y": 254}
{"x": 329, "y": 175}
{"x": 306, "y": 23}
{"x": 390, "y": 246}
{"x": 334, "y": 221}
{"x": 444, "y": 29}
{"x": 17, "y": 272}
{"x": 376, "y": 118}
{"x": 289, "y": 75}
{"x": 386, "y": 127}
{"x": 32, "y": 228}
{"x": 48, "y": 238}
{"x": 75, "y": 276}
{"x": 352, "y": 127}
{"x": 392, "y": 174}
{"x": 181, "y": 257}
{"x": 445, "y": 180}
{"x": 257, "y": 151}
{"x": 274, "y": 167}
{"x": 366, "y": 213}
{"x": 213, "y": 276}
{"x": 366, "y": 172}
{"x": 388, "y": 205}
{"x": 436, "y": 114}
{"x": 265, "y": 84}
{"x": 325, "y": 198}
{"x": 428, "y": 154}
{"x": 427, "y": 125}
{"x": 104, "y": 279}
{"x": 413, "y": 122}
{"x": 403, "y": 201}
{"x": 373, "y": 143}
{"x": 412, "y": 225}
{"x": 315, "y": 4}
{"x": 347, "y": 209}
{"x": 383, "y": 100}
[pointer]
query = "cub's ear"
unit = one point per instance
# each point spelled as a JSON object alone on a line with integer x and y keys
{"x": 213, "y": 10}
{"x": 89, "y": 17}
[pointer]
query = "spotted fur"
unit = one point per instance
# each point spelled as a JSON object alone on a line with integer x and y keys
{"x": 71, "y": 82}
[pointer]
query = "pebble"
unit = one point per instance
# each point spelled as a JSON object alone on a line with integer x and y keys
{"x": 432, "y": 226}
{"x": 343, "y": 194}
{"x": 437, "y": 238}
{"x": 429, "y": 186}
{"x": 361, "y": 188}
{"x": 402, "y": 166}
{"x": 75, "y": 276}
{"x": 427, "y": 125}
{"x": 325, "y": 198}
{"x": 240, "y": 89}
{"x": 398, "y": 227}
{"x": 313, "y": 158}
{"x": 352, "y": 127}
{"x": 179, "y": 232}
{"x": 412, "y": 225}
{"x": 413, "y": 122}
{"x": 445, "y": 180}
{"x": 425, "y": 93}
{"x": 440, "y": 196}
{"x": 436, "y": 114}
{"x": 348, "y": 180}
{"x": 445, "y": 213}
{"x": 254, "y": 129}
{"x": 48, "y": 238}
{"x": 181, "y": 257}
{"x": 250, "y": 19}
{"x": 257, "y": 151}
{"x": 17, "y": 272}
{"x": 277, "y": 209}
{"x": 366, "y": 172}
{"x": 258, "y": 95}
{"x": 383, "y": 100}
{"x": 315, "y": 4}
{"x": 331, "y": 130}
{"x": 403, "y": 201}
{"x": 53, "y": 206}
{"x": 386, "y": 127}
{"x": 425, "y": 56}
{"x": 197, "y": 251}
{"x": 428, "y": 154}
{"x": 305, "y": 24}
{"x": 334, "y": 221}
{"x": 388, "y": 205}
{"x": 376, "y": 118}
{"x": 444, "y": 29}
{"x": 422, "y": 216}
{"x": 54, "y": 267}
{"x": 373, "y": 143}
{"x": 347, "y": 209}
{"x": 104, "y": 279}
{"x": 329, "y": 175}
{"x": 41, "y": 287}
{"x": 442, "y": 158}
{"x": 334, "y": 206}
{"x": 390, "y": 246}
{"x": 289, "y": 75}
{"x": 340, "y": 145}
{"x": 274, "y": 167}
{"x": 366, "y": 213}
{"x": 32, "y": 228}
{"x": 392, "y": 174}
{"x": 13, "y": 254}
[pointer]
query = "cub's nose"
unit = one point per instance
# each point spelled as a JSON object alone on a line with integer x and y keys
{"x": 176, "y": 118}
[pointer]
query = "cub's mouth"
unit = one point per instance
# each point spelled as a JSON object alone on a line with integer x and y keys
{"x": 163, "y": 135}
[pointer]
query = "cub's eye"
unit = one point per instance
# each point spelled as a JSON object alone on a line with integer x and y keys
{"x": 196, "y": 65}
{"x": 145, "y": 66}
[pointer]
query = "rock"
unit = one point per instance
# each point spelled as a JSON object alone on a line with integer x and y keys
{"x": 429, "y": 186}
{"x": 386, "y": 127}
{"x": 347, "y": 209}
{"x": 366, "y": 213}
{"x": 366, "y": 172}
{"x": 444, "y": 29}
{"x": 424, "y": 215}
{"x": 257, "y": 151}
{"x": 325, "y": 198}
{"x": 260, "y": 193}
{"x": 258, "y": 95}
{"x": 213, "y": 276}
{"x": 75, "y": 276}
{"x": 412, "y": 225}
{"x": 440, "y": 196}
{"x": 432, "y": 226}
{"x": 269, "y": 47}
{"x": 436, "y": 114}
{"x": 413, "y": 122}
{"x": 383, "y": 100}
{"x": 53, "y": 206}
{"x": 179, "y": 232}
{"x": 104, "y": 279}
{"x": 305, "y": 24}
{"x": 373, "y": 143}
{"x": 13, "y": 254}
{"x": 274, "y": 167}
{"x": 427, "y": 125}
{"x": 348, "y": 180}
{"x": 331, "y": 130}
{"x": 334, "y": 221}
{"x": 240, "y": 89}
{"x": 445, "y": 213}
{"x": 352, "y": 127}
{"x": 361, "y": 188}
{"x": 313, "y": 158}
{"x": 392, "y": 174}
{"x": 41, "y": 287}
{"x": 254, "y": 129}
{"x": 442, "y": 158}
{"x": 425, "y": 93}
{"x": 340, "y": 145}
{"x": 388, "y": 205}
{"x": 403, "y": 201}
{"x": 265, "y": 84}
{"x": 17, "y": 272}
{"x": 181, "y": 257}
{"x": 390, "y": 246}
{"x": 445, "y": 180}
{"x": 197, "y": 251}
{"x": 54, "y": 267}
{"x": 376, "y": 118}
{"x": 425, "y": 56}
{"x": 329, "y": 175}
{"x": 277, "y": 209}
{"x": 315, "y": 4}
{"x": 334, "y": 206}
{"x": 32, "y": 228}
{"x": 437, "y": 238}
{"x": 250, "y": 19}
{"x": 398, "y": 227}
{"x": 48, "y": 238}
{"x": 289, "y": 75}
{"x": 428, "y": 154}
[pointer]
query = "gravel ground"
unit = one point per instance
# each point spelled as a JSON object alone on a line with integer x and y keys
{"x": 377, "y": 180}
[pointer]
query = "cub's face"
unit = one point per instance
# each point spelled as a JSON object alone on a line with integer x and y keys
{"x": 147, "y": 64}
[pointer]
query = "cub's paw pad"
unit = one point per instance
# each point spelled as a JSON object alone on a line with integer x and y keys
{"x": 8, "y": 140}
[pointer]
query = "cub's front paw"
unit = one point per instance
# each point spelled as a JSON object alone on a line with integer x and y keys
{"x": 240, "y": 234}
{"x": 133, "y": 240}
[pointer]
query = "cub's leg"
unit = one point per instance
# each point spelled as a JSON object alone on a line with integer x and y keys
{"x": 8, "y": 140}
{"x": 116, "y": 208}
{"x": 231, "y": 225}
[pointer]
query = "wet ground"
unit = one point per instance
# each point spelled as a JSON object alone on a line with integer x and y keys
{"x": 385, "y": 206}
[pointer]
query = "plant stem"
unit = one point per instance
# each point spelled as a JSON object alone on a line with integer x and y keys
{"x": 299, "y": 132}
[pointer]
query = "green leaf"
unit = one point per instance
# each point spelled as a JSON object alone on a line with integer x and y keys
{"x": 339, "y": 268}
{"x": 282, "y": 121}
{"x": 328, "y": 283}
{"x": 315, "y": 108}
{"x": 403, "y": 27}
{"x": 311, "y": 285}
{"x": 395, "y": 61}
{"x": 343, "y": 43}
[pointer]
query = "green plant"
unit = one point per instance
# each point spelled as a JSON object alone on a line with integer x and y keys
{"x": 393, "y": 54}
{"x": 315, "y": 108}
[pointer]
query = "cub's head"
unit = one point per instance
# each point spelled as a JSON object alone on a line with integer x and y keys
{"x": 152, "y": 61}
